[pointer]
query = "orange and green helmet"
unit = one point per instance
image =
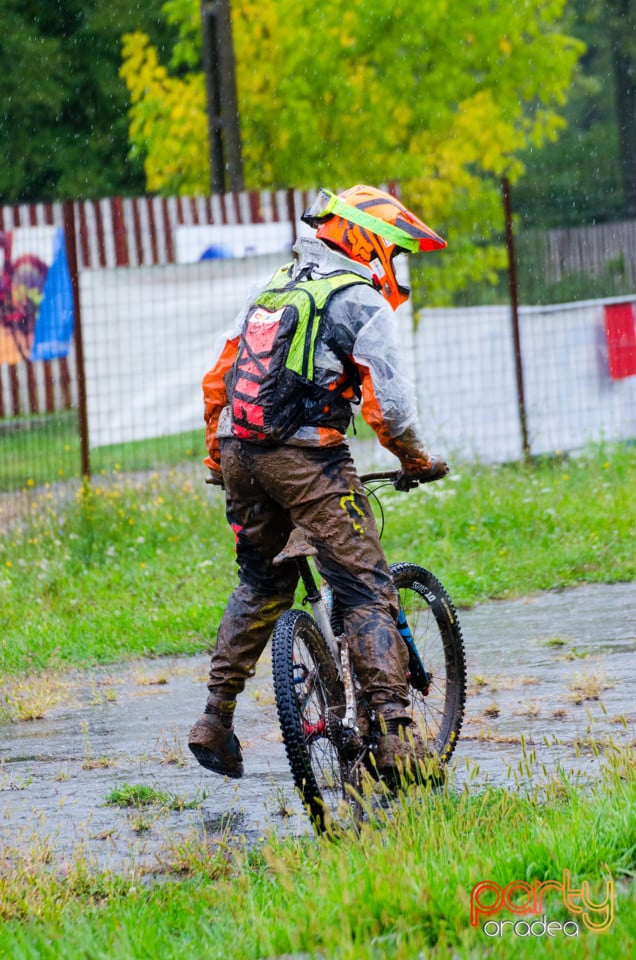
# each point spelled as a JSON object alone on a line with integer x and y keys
{"x": 372, "y": 227}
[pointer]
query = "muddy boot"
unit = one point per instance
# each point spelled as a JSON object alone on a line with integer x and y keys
{"x": 399, "y": 751}
{"x": 213, "y": 742}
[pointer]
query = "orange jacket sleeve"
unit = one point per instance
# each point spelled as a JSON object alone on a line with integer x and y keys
{"x": 215, "y": 398}
{"x": 407, "y": 447}
{"x": 371, "y": 410}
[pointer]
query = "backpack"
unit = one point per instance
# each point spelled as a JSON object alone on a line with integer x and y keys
{"x": 272, "y": 386}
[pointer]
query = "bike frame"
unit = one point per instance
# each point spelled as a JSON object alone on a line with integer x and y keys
{"x": 338, "y": 645}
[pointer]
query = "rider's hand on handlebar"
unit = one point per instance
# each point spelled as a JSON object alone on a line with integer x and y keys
{"x": 437, "y": 470}
{"x": 405, "y": 481}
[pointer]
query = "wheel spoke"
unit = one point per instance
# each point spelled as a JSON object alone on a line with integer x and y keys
{"x": 434, "y": 627}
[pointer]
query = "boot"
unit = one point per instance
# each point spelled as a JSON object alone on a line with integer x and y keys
{"x": 213, "y": 742}
{"x": 399, "y": 750}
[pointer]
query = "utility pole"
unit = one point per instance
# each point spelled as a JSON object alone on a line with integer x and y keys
{"x": 226, "y": 160}
{"x": 514, "y": 305}
{"x": 622, "y": 21}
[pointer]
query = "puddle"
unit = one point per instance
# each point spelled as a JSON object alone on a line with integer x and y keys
{"x": 555, "y": 672}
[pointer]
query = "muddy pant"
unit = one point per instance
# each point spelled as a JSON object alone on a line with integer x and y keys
{"x": 270, "y": 490}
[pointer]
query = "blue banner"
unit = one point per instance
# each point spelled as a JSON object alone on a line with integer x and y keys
{"x": 54, "y": 326}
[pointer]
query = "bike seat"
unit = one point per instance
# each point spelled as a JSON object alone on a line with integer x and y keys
{"x": 297, "y": 546}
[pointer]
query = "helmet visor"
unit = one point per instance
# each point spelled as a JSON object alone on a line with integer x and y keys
{"x": 411, "y": 237}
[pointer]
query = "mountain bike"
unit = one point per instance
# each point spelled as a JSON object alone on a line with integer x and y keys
{"x": 329, "y": 730}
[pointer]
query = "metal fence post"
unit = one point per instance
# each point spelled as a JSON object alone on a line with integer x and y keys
{"x": 226, "y": 157}
{"x": 71, "y": 257}
{"x": 514, "y": 305}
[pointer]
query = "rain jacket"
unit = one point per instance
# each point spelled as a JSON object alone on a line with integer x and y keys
{"x": 362, "y": 324}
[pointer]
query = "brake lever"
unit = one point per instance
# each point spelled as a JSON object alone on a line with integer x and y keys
{"x": 404, "y": 482}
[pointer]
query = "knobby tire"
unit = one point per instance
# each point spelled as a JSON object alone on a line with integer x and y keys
{"x": 309, "y": 694}
{"x": 309, "y": 699}
{"x": 434, "y": 624}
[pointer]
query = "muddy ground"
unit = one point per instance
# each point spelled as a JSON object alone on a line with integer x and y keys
{"x": 552, "y": 674}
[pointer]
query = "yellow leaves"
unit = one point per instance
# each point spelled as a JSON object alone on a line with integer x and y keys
{"x": 141, "y": 70}
{"x": 401, "y": 116}
{"x": 167, "y": 119}
{"x": 505, "y": 46}
{"x": 475, "y": 136}
{"x": 133, "y": 51}
{"x": 545, "y": 126}
{"x": 354, "y": 91}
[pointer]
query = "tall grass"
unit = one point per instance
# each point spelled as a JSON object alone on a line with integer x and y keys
{"x": 129, "y": 567}
{"x": 401, "y": 889}
{"x": 499, "y": 531}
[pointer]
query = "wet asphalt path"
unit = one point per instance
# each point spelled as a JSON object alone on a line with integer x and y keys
{"x": 553, "y": 675}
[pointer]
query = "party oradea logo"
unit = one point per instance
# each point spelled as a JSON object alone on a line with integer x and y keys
{"x": 488, "y": 899}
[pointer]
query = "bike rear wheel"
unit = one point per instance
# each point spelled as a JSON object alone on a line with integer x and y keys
{"x": 310, "y": 701}
{"x": 437, "y": 708}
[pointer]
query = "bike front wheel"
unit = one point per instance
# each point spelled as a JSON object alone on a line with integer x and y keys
{"x": 437, "y": 699}
{"x": 310, "y": 702}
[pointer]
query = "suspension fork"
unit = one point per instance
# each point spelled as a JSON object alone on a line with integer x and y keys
{"x": 338, "y": 646}
{"x": 420, "y": 679}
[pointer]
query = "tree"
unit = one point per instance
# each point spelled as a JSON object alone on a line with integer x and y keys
{"x": 438, "y": 95}
{"x": 64, "y": 129}
{"x": 622, "y": 25}
{"x": 590, "y": 174}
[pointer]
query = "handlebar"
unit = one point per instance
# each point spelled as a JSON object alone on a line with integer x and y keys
{"x": 399, "y": 479}
{"x": 404, "y": 481}
{"x": 391, "y": 475}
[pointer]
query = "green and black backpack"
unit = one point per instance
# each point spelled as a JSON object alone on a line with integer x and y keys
{"x": 272, "y": 386}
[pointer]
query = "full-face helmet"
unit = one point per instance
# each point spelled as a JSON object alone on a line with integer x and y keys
{"x": 372, "y": 227}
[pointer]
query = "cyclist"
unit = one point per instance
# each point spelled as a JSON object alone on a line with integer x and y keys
{"x": 317, "y": 339}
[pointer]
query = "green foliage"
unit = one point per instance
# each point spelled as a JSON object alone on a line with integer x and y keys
{"x": 578, "y": 180}
{"x": 353, "y": 91}
{"x": 64, "y": 128}
{"x": 130, "y": 567}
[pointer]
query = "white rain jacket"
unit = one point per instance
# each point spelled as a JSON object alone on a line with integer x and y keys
{"x": 363, "y": 325}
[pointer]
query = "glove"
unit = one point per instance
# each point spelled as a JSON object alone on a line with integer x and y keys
{"x": 437, "y": 470}
{"x": 407, "y": 479}
{"x": 215, "y": 477}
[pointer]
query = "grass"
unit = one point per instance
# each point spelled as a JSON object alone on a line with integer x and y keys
{"x": 143, "y": 567}
{"x": 129, "y": 567}
{"x": 141, "y": 795}
{"x": 402, "y": 889}
{"x": 46, "y": 449}
{"x": 589, "y": 685}
{"x": 503, "y": 531}
{"x": 121, "y": 570}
